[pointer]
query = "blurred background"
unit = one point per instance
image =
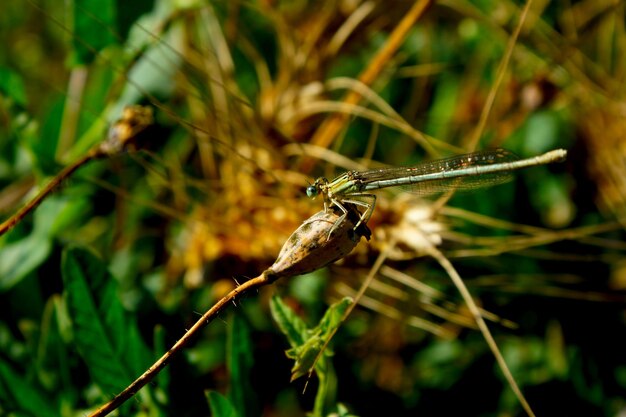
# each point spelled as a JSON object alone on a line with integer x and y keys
{"x": 253, "y": 101}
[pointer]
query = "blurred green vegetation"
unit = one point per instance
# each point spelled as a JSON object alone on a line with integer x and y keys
{"x": 109, "y": 271}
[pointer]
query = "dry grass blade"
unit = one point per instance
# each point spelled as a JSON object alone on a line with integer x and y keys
{"x": 458, "y": 282}
{"x": 331, "y": 127}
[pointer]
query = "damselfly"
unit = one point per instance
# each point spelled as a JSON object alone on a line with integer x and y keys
{"x": 461, "y": 172}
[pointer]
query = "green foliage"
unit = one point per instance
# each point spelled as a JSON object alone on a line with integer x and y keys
{"x": 220, "y": 405}
{"x": 23, "y": 256}
{"x": 88, "y": 42}
{"x": 12, "y": 86}
{"x": 106, "y": 337}
{"x": 240, "y": 362}
{"x": 17, "y": 392}
{"x": 89, "y": 319}
{"x": 309, "y": 346}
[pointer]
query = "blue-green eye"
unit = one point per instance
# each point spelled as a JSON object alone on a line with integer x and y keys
{"x": 312, "y": 191}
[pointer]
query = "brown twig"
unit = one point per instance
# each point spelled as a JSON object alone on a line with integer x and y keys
{"x": 206, "y": 318}
{"x": 48, "y": 189}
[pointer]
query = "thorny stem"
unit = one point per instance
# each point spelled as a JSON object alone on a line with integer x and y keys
{"x": 151, "y": 373}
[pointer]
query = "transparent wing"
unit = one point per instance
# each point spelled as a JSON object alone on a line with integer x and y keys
{"x": 422, "y": 178}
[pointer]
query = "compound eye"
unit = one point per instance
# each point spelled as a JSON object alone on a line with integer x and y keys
{"x": 312, "y": 191}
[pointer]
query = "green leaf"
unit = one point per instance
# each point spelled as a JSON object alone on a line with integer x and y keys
{"x": 126, "y": 16}
{"x": 307, "y": 344}
{"x": 138, "y": 357}
{"x": 25, "y": 397}
{"x": 12, "y": 86}
{"x": 57, "y": 213}
{"x": 441, "y": 364}
{"x": 92, "y": 22}
{"x": 145, "y": 75}
{"x": 52, "y": 360}
{"x": 342, "y": 411}
{"x": 163, "y": 381}
{"x": 288, "y": 321}
{"x": 310, "y": 351}
{"x": 43, "y": 145}
{"x": 100, "y": 324}
{"x": 443, "y": 107}
{"x": 333, "y": 317}
{"x": 543, "y": 130}
{"x": 220, "y": 405}
{"x": 306, "y": 357}
{"x": 20, "y": 258}
{"x": 240, "y": 360}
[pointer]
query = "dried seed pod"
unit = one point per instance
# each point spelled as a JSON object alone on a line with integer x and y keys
{"x": 318, "y": 242}
{"x": 124, "y": 132}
